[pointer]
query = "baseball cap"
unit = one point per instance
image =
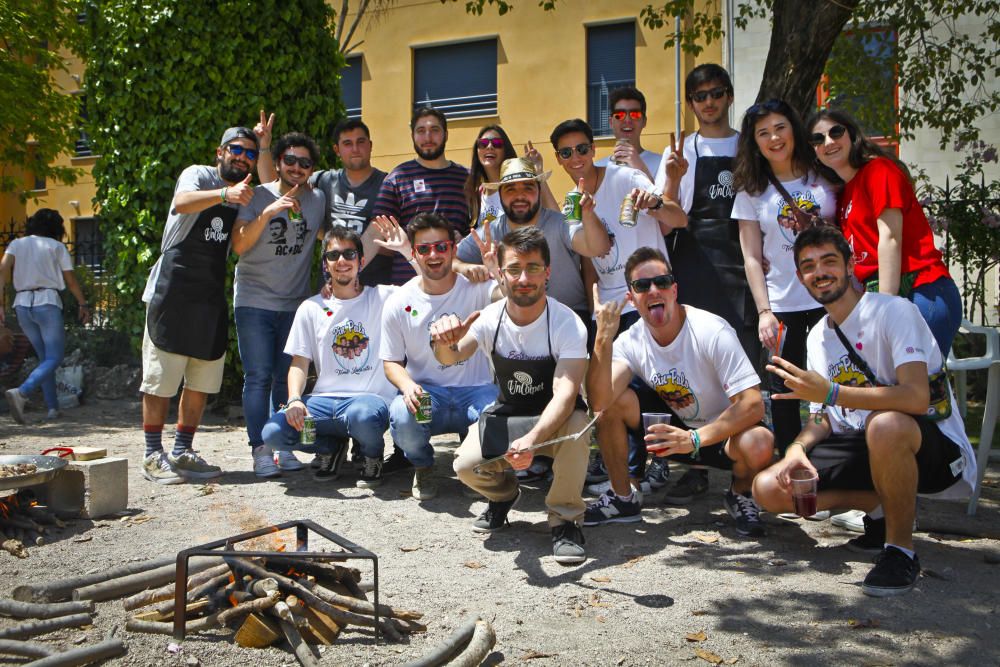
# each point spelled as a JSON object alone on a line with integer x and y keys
{"x": 238, "y": 133}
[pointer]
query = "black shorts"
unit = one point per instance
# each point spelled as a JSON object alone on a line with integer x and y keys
{"x": 842, "y": 461}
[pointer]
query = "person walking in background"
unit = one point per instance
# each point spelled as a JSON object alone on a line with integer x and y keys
{"x": 41, "y": 268}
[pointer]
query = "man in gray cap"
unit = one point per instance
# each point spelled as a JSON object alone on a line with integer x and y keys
{"x": 186, "y": 317}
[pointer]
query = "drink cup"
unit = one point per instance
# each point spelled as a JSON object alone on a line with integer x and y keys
{"x": 804, "y": 491}
{"x": 650, "y": 418}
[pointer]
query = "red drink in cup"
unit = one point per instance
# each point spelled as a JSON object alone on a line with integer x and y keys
{"x": 804, "y": 491}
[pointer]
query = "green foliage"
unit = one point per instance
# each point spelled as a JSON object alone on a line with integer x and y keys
{"x": 33, "y": 107}
{"x": 477, "y": 6}
{"x": 164, "y": 79}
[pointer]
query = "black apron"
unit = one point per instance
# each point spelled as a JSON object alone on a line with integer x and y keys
{"x": 187, "y": 314}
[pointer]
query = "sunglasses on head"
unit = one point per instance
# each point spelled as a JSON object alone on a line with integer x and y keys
{"x": 440, "y": 247}
{"x": 567, "y": 152}
{"x": 817, "y": 139}
{"x": 620, "y": 114}
{"x": 304, "y": 162}
{"x": 496, "y": 142}
{"x": 335, "y": 255}
{"x": 236, "y": 149}
{"x": 769, "y": 106}
{"x": 702, "y": 95}
{"x": 641, "y": 285}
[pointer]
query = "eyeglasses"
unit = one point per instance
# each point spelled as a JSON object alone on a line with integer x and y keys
{"x": 515, "y": 271}
{"x": 567, "y": 153}
{"x": 642, "y": 285}
{"x": 817, "y": 139}
{"x": 620, "y": 114}
{"x": 496, "y": 142}
{"x": 236, "y": 149}
{"x": 702, "y": 95}
{"x": 441, "y": 247}
{"x": 290, "y": 160}
{"x": 769, "y": 106}
{"x": 335, "y": 255}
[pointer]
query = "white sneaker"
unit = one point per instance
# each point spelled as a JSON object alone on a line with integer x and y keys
{"x": 191, "y": 465}
{"x": 287, "y": 461}
{"x": 157, "y": 468}
{"x": 598, "y": 488}
{"x": 263, "y": 463}
{"x": 851, "y": 520}
{"x": 16, "y": 401}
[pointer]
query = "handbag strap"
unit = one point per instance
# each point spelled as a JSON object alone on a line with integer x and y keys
{"x": 855, "y": 357}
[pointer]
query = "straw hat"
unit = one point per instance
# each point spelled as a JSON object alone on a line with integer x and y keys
{"x": 514, "y": 170}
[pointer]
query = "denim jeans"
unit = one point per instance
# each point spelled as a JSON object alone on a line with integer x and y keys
{"x": 261, "y": 335}
{"x": 364, "y": 417}
{"x": 453, "y": 410}
{"x": 940, "y": 305}
{"x": 43, "y": 325}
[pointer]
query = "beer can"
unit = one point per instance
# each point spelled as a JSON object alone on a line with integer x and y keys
{"x": 423, "y": 414}
{"x": 621, "y": 142}
{"x": 308, "y": 431}
{"x": 628, "y": 214}
{"x": 572, "y": 210}
{"x": 293, "y": 215}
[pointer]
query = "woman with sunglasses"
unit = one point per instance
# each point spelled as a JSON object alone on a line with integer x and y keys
{"x": 878, "y": 212}
{"x": 775, "y": 182}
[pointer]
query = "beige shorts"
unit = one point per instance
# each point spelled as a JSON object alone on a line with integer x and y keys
{"x": 163, "y": 371}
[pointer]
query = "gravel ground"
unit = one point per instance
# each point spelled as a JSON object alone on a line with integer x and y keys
{"x": 680, "y": 586}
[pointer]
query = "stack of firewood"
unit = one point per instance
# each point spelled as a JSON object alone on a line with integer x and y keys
{"x": 24, "y": 523}
{"x": 49, "y": 618}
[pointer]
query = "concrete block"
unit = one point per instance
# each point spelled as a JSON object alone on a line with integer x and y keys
{"x": 93, "y": 488}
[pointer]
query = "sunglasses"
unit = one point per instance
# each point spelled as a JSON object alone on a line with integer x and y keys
{"x": 290, "y": 160}
{"x": 567, "y": 153}
{"x": 496, "y": 142}
{"x": 817, "y": 139}
{"x": 769, "y": 107}
{"x": 335, "y": 255}
{"x": 236, "y": 149}
{"x": 702, "y": 95}
{"x": 620, "y": 114}
{"x": 441, "y": 247}
{"x": 642, "y": 285}
{"x": 531, "y": 269}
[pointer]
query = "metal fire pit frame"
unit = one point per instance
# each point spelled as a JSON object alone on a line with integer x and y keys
{"x": 225, "y": 547}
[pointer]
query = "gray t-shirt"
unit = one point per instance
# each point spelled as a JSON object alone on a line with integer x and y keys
{"x": 566, "y": 284}
{"x": 347, "y": 205}
{"x": 274, "y": 273}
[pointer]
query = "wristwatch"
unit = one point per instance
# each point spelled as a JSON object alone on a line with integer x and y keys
{"x": 658, "y": 206}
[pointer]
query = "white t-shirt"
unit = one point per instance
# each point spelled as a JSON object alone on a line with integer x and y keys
{"x": 490, "y": 208}
{"x": 558, "y": 325}
{"x": 38, "y": 270}
{"x": 887, "y": 332}
{"x": 697, "y": 373}
{"x": 406, "y": 323}
{"x": 342, "y": 337}
{"x": 814, "y": 195}
{"x": 649, "y": 158}
{"x": 617, "y": 184}
{"x": 707, "y": 147}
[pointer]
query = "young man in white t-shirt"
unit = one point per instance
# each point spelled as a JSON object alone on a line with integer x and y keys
{"x": 871, "y": 439}
{"x": 537, "y": 348}
{"x": 691, "y": 364}
{"x": 627, "y": 119}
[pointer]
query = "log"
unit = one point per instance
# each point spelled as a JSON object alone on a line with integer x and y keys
{"x": 244, "y": 608}
{"x": 362, "y": 606}
{"x": 42, "y": 515}
{"x": 204, "y": 588}
{"x": 313, "y": 567}
{"x": 262, "y": 587}
{"x": 14, "y": 547}
{"x": 32, "y": 628}
{"x": 62, "y": 589}
{"x": 133, "y": 583}
{"x": 150, "y": 596}
{"x": 258, "y": 631}
{"x": 16, "y": 609}
{"x": 483, "y": 641}
{"x": 109, "y": 648}
{"x": 191, "y": 610}
{"x": 353, "y": 588}
{"x": 322, "y": 627}
{"x": 159, "y": 628}
{"x": 302, "y": 650}
{"x": 451, "y": 646}
{"x": 26, "y": 649}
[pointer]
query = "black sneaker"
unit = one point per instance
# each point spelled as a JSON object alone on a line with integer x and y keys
{"x": 657, "y": 474}
{"x": 397, "y": 462}
{"x": 596, "y": 472}
{"x": 694, "y": 482}
{"x": 567, "y": 544}
{"x": 371, "y": 473}
{"x": 609, "y": 508}
{"x": 540, "y": 469}
{"x": 744, "y": 509}
{"x": 894, "y": 573}
{"x": 873, "y": 540}
{"x": 329, "y": 464}
{"x": 495, "y": 515}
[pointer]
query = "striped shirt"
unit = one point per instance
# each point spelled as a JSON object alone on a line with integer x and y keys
{"x": 410, "y": 189}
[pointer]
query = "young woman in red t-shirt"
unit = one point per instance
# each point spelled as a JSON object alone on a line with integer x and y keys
{"x": 878, "y": 212}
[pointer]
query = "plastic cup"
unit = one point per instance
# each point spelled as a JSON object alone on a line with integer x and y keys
{"x": 650, "y": 418}
{"x": 804, "y": 491}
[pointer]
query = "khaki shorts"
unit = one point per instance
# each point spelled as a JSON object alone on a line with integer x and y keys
{"x": 163, "y": 371}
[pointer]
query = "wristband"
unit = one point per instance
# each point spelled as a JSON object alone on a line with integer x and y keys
{"x": 293, "y": 399}
{"x": 800, "y": 444}
{"x": 763, "y": 310}
{"x": 696, "y": 441}
{"x": 831, "y": 395}
{"x": 224, "y": 188}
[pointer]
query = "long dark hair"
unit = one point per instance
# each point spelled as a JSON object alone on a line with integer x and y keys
{"x": 752, "y": 168}
{"x": 477, "y": 173}
{"x": 46, "y": 222}
{"x": 863, "y": 149}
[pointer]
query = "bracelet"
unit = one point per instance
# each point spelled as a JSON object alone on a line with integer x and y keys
{"x": 224, "y": 189}
{"x": 831, "y": 395}
{"x": 696, "y": 441}
{"x": 800, "y": 444}
{"x": 293, "y": 399}
{"x": 763, "y": 310}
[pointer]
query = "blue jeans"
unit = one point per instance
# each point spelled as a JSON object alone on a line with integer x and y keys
{"x": 261, "y": 335}
{"x": 453, "y": 410}
{"x": 364, "y": 417}
{"x": 43, "y": 325}
{"x": 940, "y": 304}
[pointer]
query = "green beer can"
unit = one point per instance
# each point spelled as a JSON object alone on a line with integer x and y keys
{"x": 308, "y": 431}
{"x": 571, "y": 207}
{"x": 423, "y": 413}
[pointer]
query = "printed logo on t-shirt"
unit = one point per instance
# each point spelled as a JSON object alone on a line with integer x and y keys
{"x": 351, "y": 350}
{"x": 214, "y": 231}
{"x": 609, "y": 262}
{"x": 431, "y": 320}
{"x": 724, "y": 188}
{"x": 522, "y": 384}
{"x": 675, "y": 390}
{"x": 859, "y": 255}
{"x": 347, "y": 212}
{"x": 843, "y": 372}
{"x": 786, "y": 218}
{"x": 279, "y": 233}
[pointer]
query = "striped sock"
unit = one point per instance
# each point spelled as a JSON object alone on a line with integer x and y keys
{"x": 154, "y": 438}
{"x": 182, "y": 439}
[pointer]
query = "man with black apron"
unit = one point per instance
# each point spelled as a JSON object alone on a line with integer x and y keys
{"x": 186, "y": 316}
{"x": 706, "y": 256}
{"x": 537, "y": 350}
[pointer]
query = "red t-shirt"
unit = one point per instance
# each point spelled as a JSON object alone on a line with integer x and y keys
{"x": 879, "y": 185}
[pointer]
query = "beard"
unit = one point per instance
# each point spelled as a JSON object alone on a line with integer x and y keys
{"x": 838, "y": 290}
{"x": 521, "y": 218}
{"x": 430, "y": 153}
{"x": 230, "y": 172}
{"x": 525, "y": 300}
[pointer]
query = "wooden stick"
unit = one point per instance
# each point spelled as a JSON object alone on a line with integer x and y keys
{"x": 161, "y": 628}
{"x": 62, "y": 589}
{"x": 109, "y": 648}
{"x": 32, "y": 628}
{"x": 26, "y": 649}
{"x": 361, "y": 606}
{"x": 313, "y": 567}
{"x": 482, "y": 642}
{"x": 244, "y": 608}
{"x": 451, "y": 646}
{"x": 134, "y": 583}
{"x": 16, "y": 609}
{"x": 302, "y": 650}
{"x": 43, "y": 516}
{"x": 204, "y": 588}
{"x": 14, "y": 547}
{"x": 150, "y": 596}
{"x": 263, "y": 587}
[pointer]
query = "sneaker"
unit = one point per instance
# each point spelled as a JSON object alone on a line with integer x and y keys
{"x": 873, "y": 539}
{"x": 16, "y": 401}
{"x": 495, "y": 515}
{"x": 396, "y": 462}
{"x": 598, "y": 488}
{"x": 192, "y": 466}
{"x": 540, "y": 468}
{"x": 609, "y": 508}
{"x": 821, "y": 515}
{"x": 371, "y": 473}
{"x": 337, "y": 443}
{"x": 52, "y": 414}
{"x": 263, "y": 463}
{"x": 330, "y": 464}
{"x": 596, "y": 472}
{"x": 894, "y": 573}
{"x": 157, "y": 468}
{"x": 567, "y": 543}
{"x": 286, "y": 461}
{"x": 744, "y": 509}
{"x": 694, "y": 482}
{"x": 852, "y": 520}
{"x": 424, "y": 483}
{"x": 657, "y": 473}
